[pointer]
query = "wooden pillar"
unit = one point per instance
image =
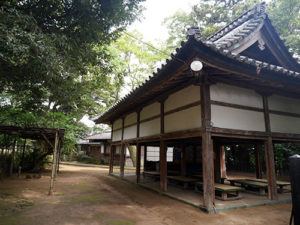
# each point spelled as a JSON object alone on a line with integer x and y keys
{"x": 258, "y": 161}
{"x": 23, "y": 153}
{"x": 217, "y": 162}
{"x": 145, "y": 157}
{"x": 269, "y": 154}
{"x": 122, "y": 160}
{"x": 59, "y": 154}
{"x": 12, "y": 158}
{"x": 183, "y": 161}
{"x": 270, "y": 164}
{"x": 122, "y": 151}
{"x": 138, "y": 162}
{"x": 111, "y": 159}
{"x": 223, "y": 162}
{"x": 163, "y": 166}
{"x": 54, "y": 161}
{"x": 207, "y": 151}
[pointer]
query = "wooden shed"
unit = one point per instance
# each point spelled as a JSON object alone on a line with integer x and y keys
{"x": 247, "y": 91}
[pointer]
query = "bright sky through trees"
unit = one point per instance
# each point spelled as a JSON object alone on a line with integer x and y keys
{"x": 154, "y": 14}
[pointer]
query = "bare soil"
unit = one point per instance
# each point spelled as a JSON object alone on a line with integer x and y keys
{"x": 87, "y": 195}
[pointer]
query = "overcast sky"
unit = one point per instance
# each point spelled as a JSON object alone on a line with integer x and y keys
{"x": 154, "y": 14}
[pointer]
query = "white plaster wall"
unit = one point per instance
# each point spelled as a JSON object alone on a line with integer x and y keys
{"x": 130, "y": 119}
{"x": 150, "y": 110}
{"x": 130, "y": 132}
{"x": 226, "y": 117}
{"x": 186, "y": 119}
{"x": 149, "y": 128}
{"x": 117, "y": 124}
{"x": 183, "y": 97}
{"x": 284, "y": 104}
{"x": 235, "y": 95}
{"x": 117, "y": 135}
{"x": 284, "y": 124}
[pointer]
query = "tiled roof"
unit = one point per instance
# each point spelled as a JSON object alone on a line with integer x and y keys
{"x": 220, "y": 42}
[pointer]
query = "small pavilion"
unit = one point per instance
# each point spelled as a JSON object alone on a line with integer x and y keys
{"x": 52, "y": 136}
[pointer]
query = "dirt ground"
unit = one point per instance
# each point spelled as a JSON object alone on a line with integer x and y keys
{"x": 87, "y": 195}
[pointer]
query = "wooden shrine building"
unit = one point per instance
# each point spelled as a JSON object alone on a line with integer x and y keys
{"x": 247, "y": 91}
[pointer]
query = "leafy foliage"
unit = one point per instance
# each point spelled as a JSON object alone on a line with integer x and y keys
{"x": 210, "y": 16}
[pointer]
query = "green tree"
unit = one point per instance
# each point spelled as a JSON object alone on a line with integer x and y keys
{"x": 210, "y": 16}
{"x": 47, "y": 47}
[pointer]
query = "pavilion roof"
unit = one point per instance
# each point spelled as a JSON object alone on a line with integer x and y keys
{"x": 218, "y": 55}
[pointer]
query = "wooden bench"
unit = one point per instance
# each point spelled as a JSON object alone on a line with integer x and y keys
{"x": 281, "y": 184}
{"x": 153, "y": 174}
{"x": 183, "y": 180}
{"x": 226, "y": 192}
{"x": 248, "y": 184}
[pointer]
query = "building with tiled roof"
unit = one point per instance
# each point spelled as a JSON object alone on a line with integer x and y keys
{"x": 241, "y": 85}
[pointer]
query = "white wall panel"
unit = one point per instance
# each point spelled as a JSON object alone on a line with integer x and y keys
{"x": 117, "y": 124}
{"x": 186, "y": 119}
{"x": 183, "y": 97}
{"x": 226, "y": 117}
{"x": 235, "y": 95}
{"x": 130, "y": 119}
{"x": 117, "y": 135}
{"x": 284, "y": 104}
{"x": 150, "y": 111}
{"x": 149, "y": 128}
{"x": 130, "y": 132}
{"x": 284, "y": 124}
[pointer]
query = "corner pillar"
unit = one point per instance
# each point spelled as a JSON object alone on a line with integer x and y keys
{"x": 163, "y": 165}
{"x": 138, "y": 162}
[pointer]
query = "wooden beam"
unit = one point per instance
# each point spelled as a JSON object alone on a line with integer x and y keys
{"x": 258, "y": 161}
{"x": 122, "y": 159}
{"x": 269, "y": 153}
{"x": 217, "y": 162}
{"x": 145, "y": 157}
{"x": 207, "y": 151}
{"x": 23, "y": 152}
{"x": 223, "y": 162}
{"x": 183, "y": 160}
{"x": 47, "y": 140}
{"x": 111, "y": 159}
{"x": 138, "y": 124}
{"x": 54, "y": 161}
{"x": 163, "y": 166}
{"x": 138, "y": 162}
{"x": 162, "y": 117}
{"x": 11, "y": 168}
{"x": 270, "y": 164}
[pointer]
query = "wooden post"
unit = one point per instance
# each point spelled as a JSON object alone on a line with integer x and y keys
{"x": 111, "y": 159}
{"x": 23, "y": 153}
{"x": 223, "y": 162}
{"x": 270, "y": 163}
{"x": 138, "y": 162}
{"x": 163, "y": 165}
{"x": 183, "y": 161}
{"x": 258, "y": 161}
{"x": 53, "y": 164}
{"x": 217, "y": 162}
{"x": 207, "y": 152}
{"x": 12, "y": 158}
{"x": 122, "y": 160}
{"x": 58, "y": 155}
{"x": 269, "y": 154}
{"x": 145, "y": 157}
